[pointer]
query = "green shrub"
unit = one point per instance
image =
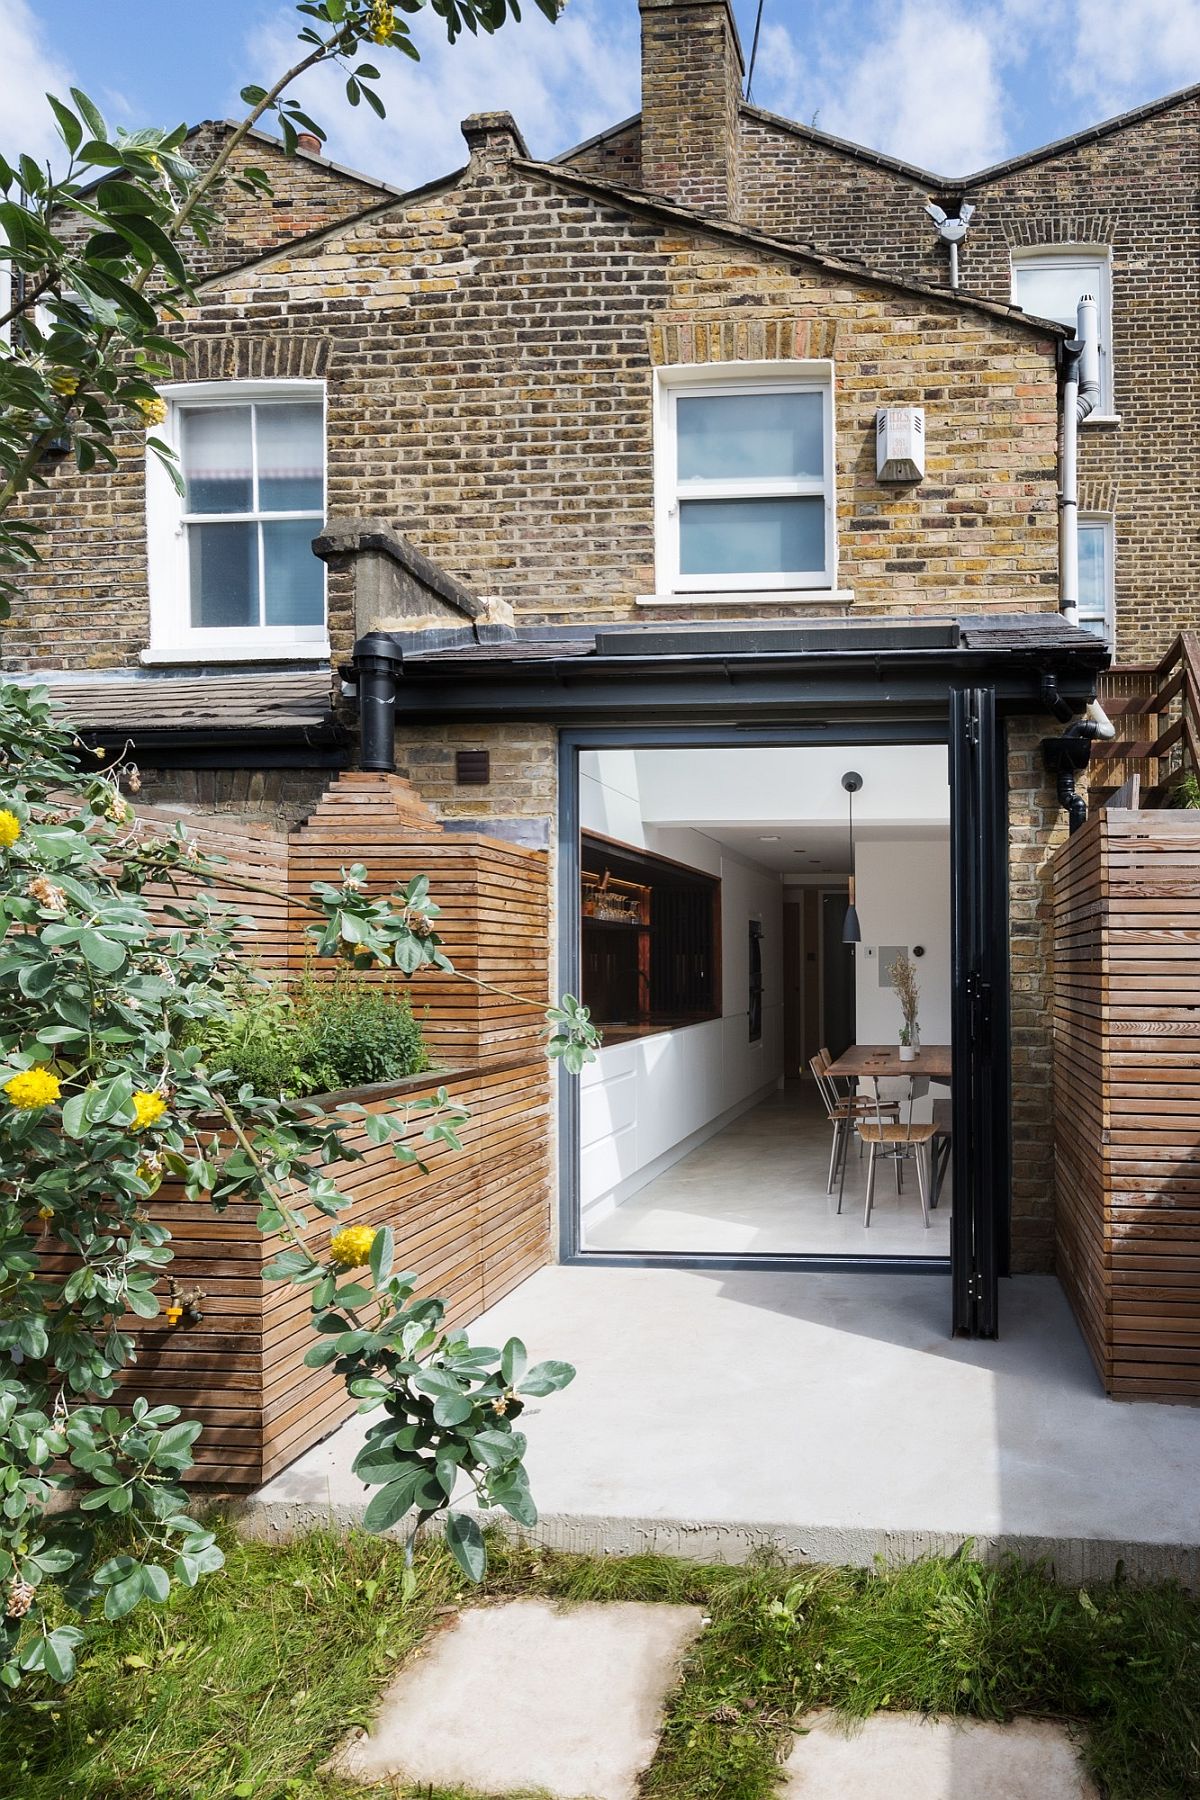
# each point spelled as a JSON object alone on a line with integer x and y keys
{"x": 319, "y": 1036}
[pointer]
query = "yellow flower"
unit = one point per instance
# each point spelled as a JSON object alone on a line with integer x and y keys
{"x": 350, "y": 1248}
{"x": 147, "y": 1108}
{"x": 10, "y": 827}
{"x": 154, "y": 412}
{"x": 381, "y": 19}
{"x": 32, "y": 1088}
{"x": 45, "y": 1212}
{"x": 66, "y": 385}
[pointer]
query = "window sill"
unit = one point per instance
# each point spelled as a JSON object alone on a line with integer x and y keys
{"x": 240, "y": 653}
{"x": 1112, "y": 420}
{"x": 755, "y": 597}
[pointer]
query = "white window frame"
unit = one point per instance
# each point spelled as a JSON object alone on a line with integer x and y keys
{"x": 173, "y": 637}
{"x": 1109, "y": 616}
{"x": 743, "y": 378}
{"x": 1087, "y": 258}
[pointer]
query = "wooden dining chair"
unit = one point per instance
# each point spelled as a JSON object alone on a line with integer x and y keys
{"x": 897, "y": 1138}
{"x": 843, "y": 1112}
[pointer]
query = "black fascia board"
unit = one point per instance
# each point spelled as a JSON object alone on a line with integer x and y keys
{"x": 592, "y": 688}
{"x": 225, "y": 748}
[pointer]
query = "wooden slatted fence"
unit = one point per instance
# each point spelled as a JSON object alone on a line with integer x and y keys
{"x": 1127, "y": 1096}
{"x": 472, "y": 1226}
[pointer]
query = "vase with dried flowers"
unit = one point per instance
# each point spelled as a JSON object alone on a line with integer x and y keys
{"x": 904, "y": 984}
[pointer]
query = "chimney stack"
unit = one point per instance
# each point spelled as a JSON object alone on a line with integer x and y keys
{"x": 692, "y": 73}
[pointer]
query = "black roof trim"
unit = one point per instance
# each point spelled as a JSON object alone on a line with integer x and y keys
{"x": 930, "y": 178}
{"x": 600, "y": 137}
{"x": 652, "y": 206}
{"x": 925, "y": 178}
{"x": 1090, "y": 134}
{"x": 377, "y": 208}
{"x": 312, "y": 156}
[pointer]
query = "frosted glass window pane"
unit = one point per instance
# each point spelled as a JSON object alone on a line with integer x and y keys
{"x": 751, "y": 537}
{"x": 291, "y": 458}
{"x": 1054, "y": 292}
{"x": 223, "y": 562}
{"x": 724, "y": 436}
{"x": 292, "y": 575}
{"x": 1093, "y": 576}
{"x": 217, "y": 459}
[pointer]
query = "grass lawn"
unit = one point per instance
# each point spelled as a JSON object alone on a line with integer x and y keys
{"x": 239, "y": 1690}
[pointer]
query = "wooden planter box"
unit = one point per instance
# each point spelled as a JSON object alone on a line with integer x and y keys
{"x": 472, "y": 1226}
{"x": 1127, "y": 1096}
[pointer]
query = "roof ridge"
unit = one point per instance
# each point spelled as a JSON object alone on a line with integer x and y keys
{"x": 637, "y": 201}
{"x": 1087, "y": 134}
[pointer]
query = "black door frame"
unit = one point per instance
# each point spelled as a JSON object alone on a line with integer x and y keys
{"x": 937, "y": 726}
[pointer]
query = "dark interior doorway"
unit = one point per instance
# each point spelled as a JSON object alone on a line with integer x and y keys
{"x": 837, "y": 976}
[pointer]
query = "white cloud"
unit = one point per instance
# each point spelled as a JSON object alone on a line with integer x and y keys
{"x": 28, "y": 69}
{"x": 561, "y": 82}
{"x": 1130, "y": 51}
{"x": 926, "y": 86}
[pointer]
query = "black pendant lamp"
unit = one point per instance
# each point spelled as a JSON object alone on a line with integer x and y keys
{"x": 851, "y": 930}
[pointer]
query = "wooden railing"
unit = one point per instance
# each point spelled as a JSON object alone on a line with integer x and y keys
{"x": 1156, "y": 709}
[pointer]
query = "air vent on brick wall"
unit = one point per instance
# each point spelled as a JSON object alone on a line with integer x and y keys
{"x": 472, "y": 768}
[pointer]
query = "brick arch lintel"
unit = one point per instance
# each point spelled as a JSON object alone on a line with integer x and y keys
{"x": 725, "y": 339}
{"x": 245, "y": 357}
{"x": 1099, "y": 495}
{"x": 1090, "y": 226}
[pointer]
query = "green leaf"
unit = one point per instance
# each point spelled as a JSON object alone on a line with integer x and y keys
{"x": 383, "y": 1253}
{"x": 104, "y": 953}
{"x": 74, "y": 1116}
{"x": 68, "y": 124}
{"x": 394, "y": 1500}
{"x": 495, "y": 1448}
{"x": 547, "y": 1378}
{"x": 512, "y": 1493}
{"x": 156, "y": 1582}
{"x": 466, "y": 1545}
{"x": 87, "y": 112}
{"x": 452, "y": 1409}
{"x": 59, "y": 1656}
{"x": 124, "y": 1596}
{"x": 512, "y": 1361}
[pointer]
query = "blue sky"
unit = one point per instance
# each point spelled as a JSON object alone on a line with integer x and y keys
{"x": 951, "y": 85}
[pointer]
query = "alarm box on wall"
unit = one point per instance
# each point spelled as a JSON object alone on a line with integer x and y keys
{"x": 900, "y": 443}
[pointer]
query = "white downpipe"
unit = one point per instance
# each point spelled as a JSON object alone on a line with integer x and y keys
{"x": 1100, "y": 719}
{"x": 1081, "y": 396}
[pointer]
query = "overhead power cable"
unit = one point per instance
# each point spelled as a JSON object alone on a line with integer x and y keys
{"x": 754, "y": 53}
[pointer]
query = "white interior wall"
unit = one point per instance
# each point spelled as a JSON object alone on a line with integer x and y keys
{"x": 647, "y": 1102}
{"x": 768, "y": 787}
{"x": 903, "y": 899}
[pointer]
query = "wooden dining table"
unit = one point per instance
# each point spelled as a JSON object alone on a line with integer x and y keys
{"x": 878, "y": 1060}
{"x": 875, "y": 1062}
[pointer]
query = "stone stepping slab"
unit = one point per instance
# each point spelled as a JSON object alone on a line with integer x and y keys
{"x": 905, "y": 1756}
{"x": 528, "y": 1695}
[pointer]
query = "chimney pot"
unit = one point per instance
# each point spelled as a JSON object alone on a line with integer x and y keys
{"x": 306, "y": 141}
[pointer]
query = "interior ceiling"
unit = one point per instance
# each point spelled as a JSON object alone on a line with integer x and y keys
{"x": 807, "y": 850}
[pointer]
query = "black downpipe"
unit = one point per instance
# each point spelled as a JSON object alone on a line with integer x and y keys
{"x": 375, "y": 668}
{"x": 1066, "y": 757}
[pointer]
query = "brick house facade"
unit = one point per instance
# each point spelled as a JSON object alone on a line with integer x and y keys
{"x": 487, "y": 349}
{"x": 1129, "y": 188}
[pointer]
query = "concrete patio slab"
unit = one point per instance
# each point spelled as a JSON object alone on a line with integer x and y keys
{"x": 829, "y": 1416}
{"x": 903, "y": 1756}
{"x": 529, "y": 1696}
